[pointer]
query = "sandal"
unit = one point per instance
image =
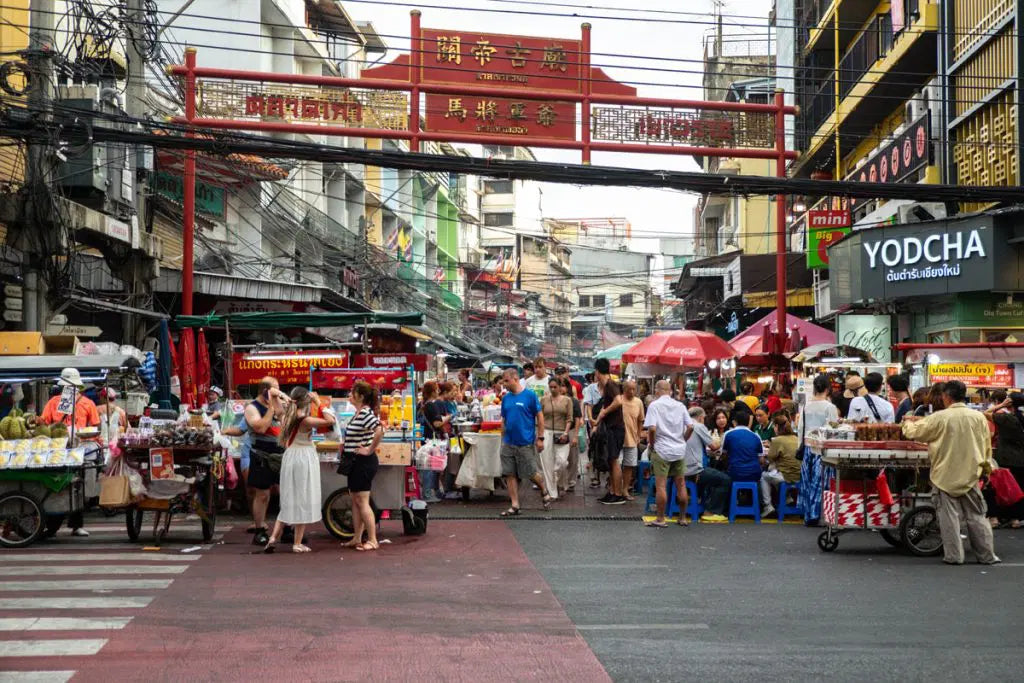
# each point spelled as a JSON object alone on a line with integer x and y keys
{"x": 594, "y": 483}
{"x": 656, "y": 524}
{"x": 511, "y": 512}
{"x": 683, "y": 521}
{"x": 369, "y": 545}
{"x": 350, "y": 544}
{"x": 270, "y": 546}
{"x": 547, "y": 501}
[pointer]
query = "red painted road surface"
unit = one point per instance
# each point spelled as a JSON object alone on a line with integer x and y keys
{"x": 461, "y": 603}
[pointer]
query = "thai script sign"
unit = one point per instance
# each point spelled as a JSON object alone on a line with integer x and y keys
{"x": 972, "y": 374}
{"x": 684, "y": 127}
{"x": 289, "y": 367}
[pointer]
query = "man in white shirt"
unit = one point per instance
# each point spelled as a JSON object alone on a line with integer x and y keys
{"x": 538, "y": 381}
{"x": 872, "y": 407}
{"x": 668, "y": 427}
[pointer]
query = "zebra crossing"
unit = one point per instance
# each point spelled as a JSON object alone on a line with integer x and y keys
{"x": 64, "y": 599}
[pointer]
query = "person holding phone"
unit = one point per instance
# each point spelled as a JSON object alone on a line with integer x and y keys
{"x": 262, "y": 428}
{"x": 362, "y": 438}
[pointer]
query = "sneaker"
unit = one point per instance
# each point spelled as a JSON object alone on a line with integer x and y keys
{"x": 617, "y": 500}
{"x": 261, "y": 537}
{"x": 995, "y": 560}
{"x": 608, "y": 499}
{"x": 768, "y": 511}
{"x": 80, "y": 532}
{"x": 713, "y": 518}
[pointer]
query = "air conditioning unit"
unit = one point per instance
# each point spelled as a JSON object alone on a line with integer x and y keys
{"x": 916, "y": 108}
{"x": 153, "y": 245}
{"x": 921, "y": 211}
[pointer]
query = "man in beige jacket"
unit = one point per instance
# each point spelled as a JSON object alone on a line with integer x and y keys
{"x": 960, "y": 450}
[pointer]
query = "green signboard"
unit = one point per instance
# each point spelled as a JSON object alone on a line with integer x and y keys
{"x": 209, "y": 198}
{"x": 818, "y": 241}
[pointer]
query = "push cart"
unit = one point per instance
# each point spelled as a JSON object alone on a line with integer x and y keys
{"x": 201, "y": 469}
{"x": 855, "y": 480}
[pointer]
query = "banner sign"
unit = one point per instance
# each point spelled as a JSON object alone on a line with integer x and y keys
{"x": 818, "y": 242}
{"x": 500, "y": 60}
{"x": 501, "y": 116}
{"x": 900, "y": 158}
{"x": 973, "y": 374}
{"x": 209, "y": 198}
{"x": 418, "y": 361}
{"x": 871, "y": 333}
{"x": 684, "y": 127}
{"x": 287, "y": 367}
{"x": 384, "y": 381}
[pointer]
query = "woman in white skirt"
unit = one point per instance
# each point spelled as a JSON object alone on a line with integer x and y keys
{"x": 558, "y": 422}
{"x": 300, "y": 468}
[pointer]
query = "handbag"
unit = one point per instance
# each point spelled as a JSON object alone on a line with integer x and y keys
{"x": 346, "y": 463}
{"x": 115, "y": 487}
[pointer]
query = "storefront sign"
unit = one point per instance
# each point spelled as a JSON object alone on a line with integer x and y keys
{"x": 384, "y": 381}
{"x": 818, "y": 242}
{"x": 500, "y": 60}
{"x": 828, "y": 218}
{"x": 925, "y": 259}
{"x": 973, "y": 374}
{"x": 871, "y": 333}
{"x": 501, "y": 116}
{"x": 209, "y": 198}
{"x": 418, "y": 361}
{"x": 899, "y": 159}
{"x": 287, "y": 367}
{"x": 684, "y": 127}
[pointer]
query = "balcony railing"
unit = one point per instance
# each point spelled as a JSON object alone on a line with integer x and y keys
{"x": 818, "y": 106}
{"x": 872, "y": 45}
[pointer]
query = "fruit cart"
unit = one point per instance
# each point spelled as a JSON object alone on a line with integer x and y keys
{"x": 879, "y": 486}
{"x": 181, "y": 466}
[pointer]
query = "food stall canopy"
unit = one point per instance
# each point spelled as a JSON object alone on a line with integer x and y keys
{"x": 815, "y": 334}
{"x": 679, "y": 349}
{"x": 32, "y": 368}
{"x": 991, "y": 352}
{"x": 833, "y": 353}
{"x": 280, "y": 320}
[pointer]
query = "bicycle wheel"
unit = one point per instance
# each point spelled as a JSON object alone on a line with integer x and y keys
{"x": 133, "y": 522}
{"x": 919, "y": 531}
{"x": 337, "y": 514}
{"x": 21, "y": 520}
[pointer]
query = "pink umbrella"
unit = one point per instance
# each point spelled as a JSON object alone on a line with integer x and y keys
{"x": 202, "y": 366}
{"x": 680, "y": 349}
{"x": 187, "y": 367}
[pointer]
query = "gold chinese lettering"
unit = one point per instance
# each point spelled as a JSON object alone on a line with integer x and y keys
{"x": 517, "y": 111}
{"x": 518, "y": 54}
{"x": 449, "y": 49}
{"x": 455, "y": 109}
{"x": 546, "y": 115}
{"x": 555, "y": 59}
{"x": 483, "y": 52}
{"x": 487, "y": 110}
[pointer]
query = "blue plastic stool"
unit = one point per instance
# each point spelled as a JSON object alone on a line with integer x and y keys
{"x": 643, "y": 476}
{"x": 694, "y": 509}
{"x": 753, "y": 509}
{"x": 671, "y": 505}
{"x": 784, "y": 507}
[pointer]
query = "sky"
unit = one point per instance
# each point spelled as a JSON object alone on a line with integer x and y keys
{"x": 664, "y": 29}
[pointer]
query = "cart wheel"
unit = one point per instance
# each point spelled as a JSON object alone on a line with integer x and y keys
{"x": 919, "y": 531}
{"x": 828, "y": 542}
{"x": 133, "y": 521}
{"x": 21, "y": 520}
{"x": 337, "y": 514}
{"x": 892, "y": 537}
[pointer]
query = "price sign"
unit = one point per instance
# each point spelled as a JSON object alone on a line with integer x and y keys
{"x": 66, "y": 406}
{"x": 161, "y": 463}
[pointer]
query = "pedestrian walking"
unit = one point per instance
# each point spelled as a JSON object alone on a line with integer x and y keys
{"x": 558, "y": 421}
{"x": 362, "y": 438}
{"x": 522, "y": 432}
{"x": 633, "y": 420}
{"x": 819, "y": 411}
{"x": 569, "y": 474}
{"x": 300, "y": 468}
{"x": 668, "y": 427}
{"x": 960, "y": 451}
{"x": 611, "y": 416}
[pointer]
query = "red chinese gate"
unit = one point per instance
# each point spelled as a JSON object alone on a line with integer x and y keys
{"x": 482, "y": 88}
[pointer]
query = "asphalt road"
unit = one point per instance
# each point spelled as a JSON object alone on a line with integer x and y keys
{"x": 731, "y": 603}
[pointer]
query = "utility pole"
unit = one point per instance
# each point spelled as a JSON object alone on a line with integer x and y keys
{"x": 38, "y": 174}
{"x": 135, "y": 107}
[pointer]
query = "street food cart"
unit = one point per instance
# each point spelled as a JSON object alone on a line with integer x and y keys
{"x": 878, "y": 486}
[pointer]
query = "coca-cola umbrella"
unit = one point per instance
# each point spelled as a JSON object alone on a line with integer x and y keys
{"x": 665, "y": 352}
{"x": 202, "y": 367}
{"x": 187, "y": 367}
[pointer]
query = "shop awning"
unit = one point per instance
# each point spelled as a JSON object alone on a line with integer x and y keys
{"x": 993, "y": 352}
{"x": 48, "y": 367}
{"x": 279, "y": 320}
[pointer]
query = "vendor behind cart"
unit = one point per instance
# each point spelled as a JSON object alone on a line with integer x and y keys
{"x": 85, "y": 415}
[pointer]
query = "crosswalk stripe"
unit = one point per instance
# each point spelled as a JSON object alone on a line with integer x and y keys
{"x": 96, "y": 557}
{"x": 52, "y": 648}
{"x": 85, "y": 585}
{"x": 35, "y": 676}
{"x": 86, "y": 569}
{"x": 63, "y": 624}
{"x": 112, "y": 602}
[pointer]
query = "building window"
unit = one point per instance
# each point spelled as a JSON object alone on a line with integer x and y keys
{"x": 497, "y": 187}
{"x": 598, "y": 300}
{"x": 626, "y": 300}
{"x": 498, "y": 220}
{"x": 584, "y": 301}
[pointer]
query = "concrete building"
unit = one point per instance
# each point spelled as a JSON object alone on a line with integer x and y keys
{"x": 613, "y": 291}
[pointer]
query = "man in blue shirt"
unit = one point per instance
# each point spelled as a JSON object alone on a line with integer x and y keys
{"x": 522, "y": 433}
{"x": 744, "y": 451}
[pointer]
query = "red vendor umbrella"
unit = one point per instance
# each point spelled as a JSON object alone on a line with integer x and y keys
{"x": 187, "y": 367}
{"x": 202, "y": 367}
{"x": 680, "y": 349}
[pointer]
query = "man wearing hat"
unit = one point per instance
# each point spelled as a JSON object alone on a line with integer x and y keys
{"x": 85, "y": 411}
{"x": 214, "y": 403}
{"x": 85, "y": 415}
{"x": 854, "y": 388}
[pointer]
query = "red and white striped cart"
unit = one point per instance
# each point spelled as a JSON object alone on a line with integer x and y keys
{"x": 879, "y": 486}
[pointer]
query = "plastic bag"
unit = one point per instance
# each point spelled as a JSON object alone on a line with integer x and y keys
{"x": 467, "y": 473}
{"x": 230, "y": 473}
{"x": 335, "y": 433}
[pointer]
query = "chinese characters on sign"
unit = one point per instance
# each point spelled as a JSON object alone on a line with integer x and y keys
{"x": 683, "y": 127}
{"x": 493, "y": 59}
{"x": 501, "y": 116}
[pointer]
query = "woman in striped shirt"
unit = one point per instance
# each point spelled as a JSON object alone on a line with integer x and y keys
{"x": 362, "y": 437}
